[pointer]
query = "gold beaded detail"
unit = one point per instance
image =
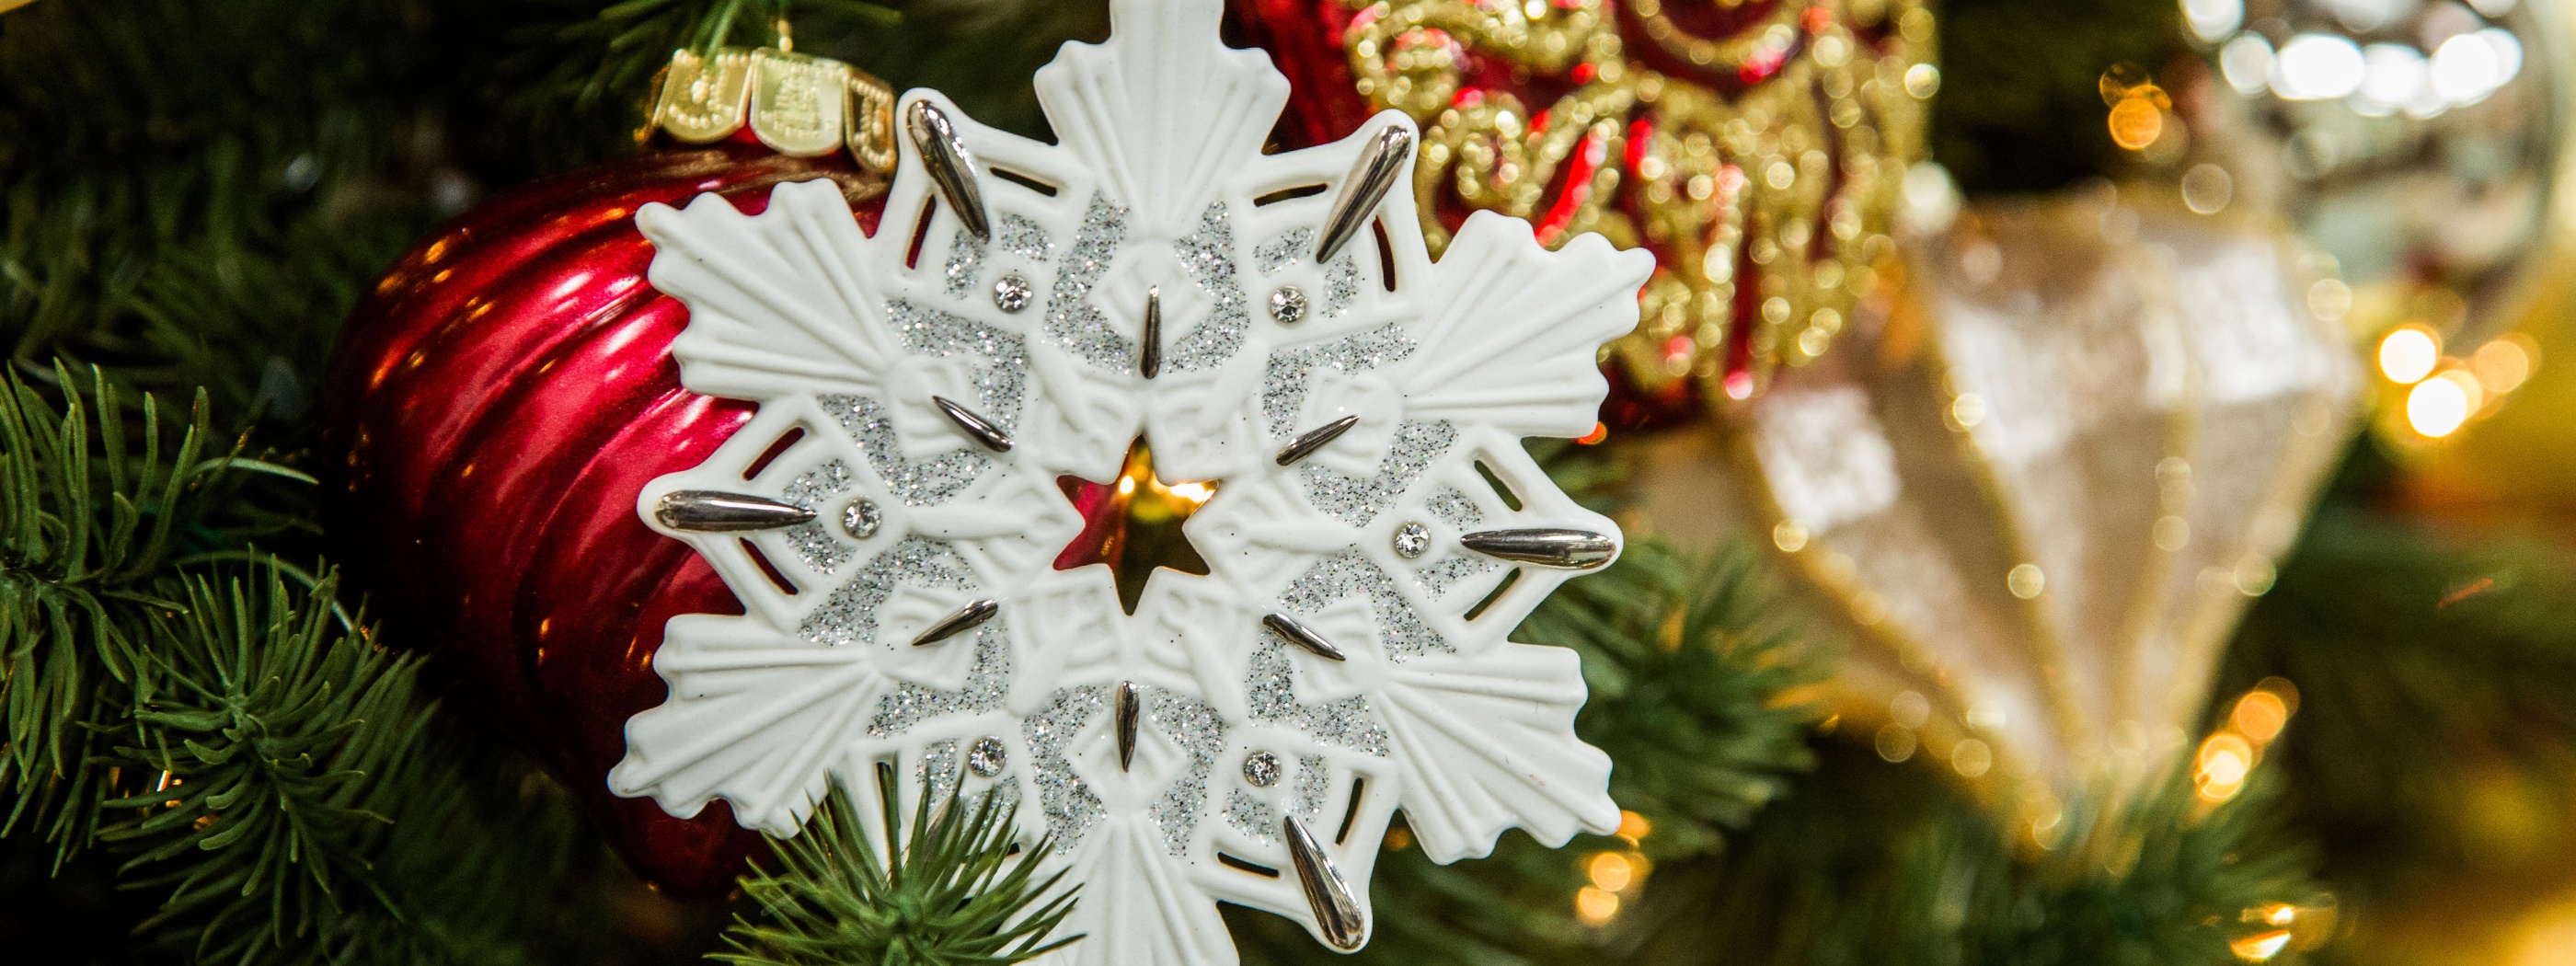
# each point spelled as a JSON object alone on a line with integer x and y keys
{"x": 1772, "y": 157}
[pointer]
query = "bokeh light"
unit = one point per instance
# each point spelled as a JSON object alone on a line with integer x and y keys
{"x": 2408, "y": 354}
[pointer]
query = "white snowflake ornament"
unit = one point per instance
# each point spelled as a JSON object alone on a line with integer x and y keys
{"x": 1349, "y": 415}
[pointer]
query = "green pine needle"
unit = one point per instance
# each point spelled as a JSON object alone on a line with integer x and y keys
{"x": 953, "y": 894}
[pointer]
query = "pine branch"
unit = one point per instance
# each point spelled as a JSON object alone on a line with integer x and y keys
{"x": 269, "y": 731}
{"x": 952, "y": 894}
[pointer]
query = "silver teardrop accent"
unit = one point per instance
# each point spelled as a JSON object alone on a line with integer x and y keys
{"x": 1301, "y": 635}
{"x": 1314, "y": 439}
{"x": 715, "y": 511}
{"x": 1545, "y": 546}
{"x": 976, "y": 426}
{"x": 1149, "y": 351}
{"x": 966, "y": 618}
{"x": 950, "y": 167}
{"x": 1385, "y": 159}
{"x": 1129, "y": 712}
{"x": 1337, "y": 912}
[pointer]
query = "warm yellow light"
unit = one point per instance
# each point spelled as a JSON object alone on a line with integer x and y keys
{"x": 2225, "y": 759}
{"x": 2408, "y": 354}
{"x": 1596, "y": 905}
{"x": 2437, "y": 407}
{"x": 2278, "y": 913}
{"x": 2136, "y": 122}
{"x": 2503, "y": 364}
{"x": 1633, "y": 826}
{"x": 2261, "y": 946}
{"x": 1126, "y": 486}
{"x": 2259, "y": 716}
{"x": 1193, "y": 492}
{"x": 1612, "y": 871}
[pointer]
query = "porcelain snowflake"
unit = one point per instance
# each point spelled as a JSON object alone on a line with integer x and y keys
{"x": 895, "y": 517}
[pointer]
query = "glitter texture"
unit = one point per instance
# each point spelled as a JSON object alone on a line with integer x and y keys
{"x": 1025, "y": 238}
{"x": 1071, "y": 807}
{"x": 1314, "y": 782}
{"x": 1284, "y": 381}
{"x": 965, "y": 261}
{"x": 1438, "y": 579}
{"x": 1270, "y": 689}
{"x": 1071, "y": 320}
{"x": 1208, "y": 255}
{"x": 813, "y": 544}
{"x": 928, "y": 481}
{"x": 1347, "y": 574}
{"x": 1251, "y": 816}
{"x": 1341, "y": 277}
{"x": 1285, "y": 250}
{"x": 1356, "y": 500}
{"x": 1454, "y": 507}
{"x": 937, "y": 771}
{"x": 999, "y": 382}
{"x": 849, "y": 616}
{"x": 910, "y": 704}
{"x": 1195, "y": 726}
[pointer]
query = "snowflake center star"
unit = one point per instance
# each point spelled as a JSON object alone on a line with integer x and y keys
{"x": 1133, "y": 524}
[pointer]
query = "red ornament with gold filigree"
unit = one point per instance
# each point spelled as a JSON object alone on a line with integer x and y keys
{"x": 1757, "y": 147}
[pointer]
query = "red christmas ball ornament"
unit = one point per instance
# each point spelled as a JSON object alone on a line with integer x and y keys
{"x": 502, "y": 395}
{"x": 1757, "y": 148}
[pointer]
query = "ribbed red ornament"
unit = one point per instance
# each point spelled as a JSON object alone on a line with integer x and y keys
{"x": 494, "y": 407}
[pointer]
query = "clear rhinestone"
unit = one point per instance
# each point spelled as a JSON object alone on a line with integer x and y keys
{"x": 1261, "y": 768}
{"x": 986, "y": 756}
{"x": 1411, "y": 540}
{"x": 1288, "y": 305}
{"x": 860, "y": 519}
{"x": 1012, "y": 293}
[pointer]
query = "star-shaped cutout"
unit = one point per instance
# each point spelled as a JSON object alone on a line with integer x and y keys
{"x": 1133, "y": 524}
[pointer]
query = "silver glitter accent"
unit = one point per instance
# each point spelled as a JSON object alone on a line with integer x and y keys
{"x": 1341, "y": 275}
{"x": 1454, "y": 507}
{"x": 1071, "y": 320}
{"x": 1270, "y": 690}
{"x": 1438, "y": 579}
{"x": 1411, "y": 540}
{"x": 812, "y": 543}
{"x": 1341, "y": 284}
{"x": 1251, "y": 816}
{"x": 1003, "y": 378}
{"x": 849, "y": 615}
{"x": 965, "y": 261}
{"x": 1025, "y": 238}
{"x": 861, "y": 519}
{"x": 928, "y": 481}
{"x": 1208, "y": 256}
{"x": 910, "y": 704}
{"x": 1283, "y": 251}
{"x": 1348, "y": 574}
{"x": 1284, "y": 380}
{"x": 1070, "y": 806}
{"x": 1356, "y": 500}
{"x": 1288, "y": 305}
{"x": 1314, "y": 782}
{"x": 1261, "y": 768}
{"x": 988, "y": 756}
{"x": 1195, "y": 726}
{"x": 1012, "y": 293}
{"x": 937, "y": 771}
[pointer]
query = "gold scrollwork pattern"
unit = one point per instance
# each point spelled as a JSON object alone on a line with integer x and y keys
{"x": 1763, "y": 167}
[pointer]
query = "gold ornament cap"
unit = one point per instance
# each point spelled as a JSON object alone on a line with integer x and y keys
{"x": 797, "y": 104}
